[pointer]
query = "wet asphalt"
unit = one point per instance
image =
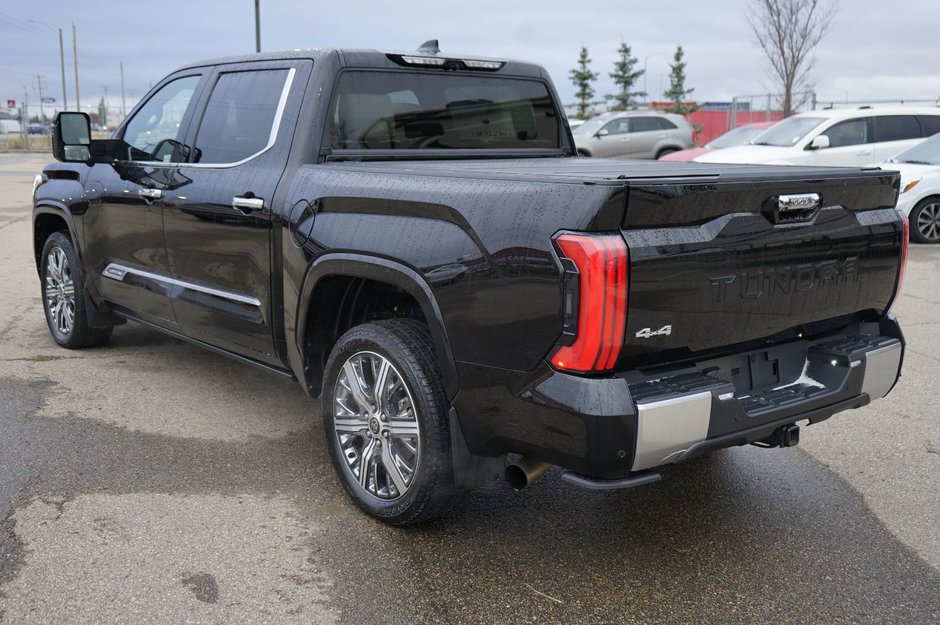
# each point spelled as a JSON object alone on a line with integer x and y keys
{"x": 150, "y": 481}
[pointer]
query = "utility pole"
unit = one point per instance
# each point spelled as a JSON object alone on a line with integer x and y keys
{"x": 65, "y": 97}
{"x": 123, "y": 101}
{"x": 78, "y": 98}
{"x": 257, "y": 25}
{"x": 104, "y": 109}
{"x": 42, "y": 108}
{"x": 25, "y": 118}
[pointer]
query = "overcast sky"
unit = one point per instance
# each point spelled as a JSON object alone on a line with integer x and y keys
{"x": 876, "y": 50}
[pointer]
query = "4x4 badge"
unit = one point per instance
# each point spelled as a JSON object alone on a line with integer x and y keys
{"x": 646, "y": 333}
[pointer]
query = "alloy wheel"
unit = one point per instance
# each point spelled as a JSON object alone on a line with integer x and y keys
{"x": 376, "y": 425}
{"x": 60, "y": 291}
{"x": 928, "y": 221}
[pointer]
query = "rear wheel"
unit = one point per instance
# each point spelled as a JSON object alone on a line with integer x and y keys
{"x": 63, "y": 296}
{"x": 925, "y": 221}
{"x": 385, "y": 417}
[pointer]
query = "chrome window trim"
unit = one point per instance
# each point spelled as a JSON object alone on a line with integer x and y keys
{"x": 272, "y": 138}
{"x": 117, "y": 272}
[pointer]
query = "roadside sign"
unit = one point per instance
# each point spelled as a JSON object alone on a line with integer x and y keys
{"x": 11, "y": 104}
{"x": 48, "y": 100}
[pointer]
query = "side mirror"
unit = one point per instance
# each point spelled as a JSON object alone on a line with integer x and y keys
{"x": 820, "y": 142}
{"x": 602, "y": 133}
{"x": 71, "y": 137}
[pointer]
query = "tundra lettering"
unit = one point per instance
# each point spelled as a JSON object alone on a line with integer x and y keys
{"x": 798, "y": 278}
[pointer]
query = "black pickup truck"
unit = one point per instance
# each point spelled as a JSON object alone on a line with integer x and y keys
{"x": 413, "y": 237}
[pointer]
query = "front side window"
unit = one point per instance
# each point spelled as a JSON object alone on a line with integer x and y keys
{"x": 849, "y": 132}
{"x": 239, "y": 118}
{"x": 418, "y": 110}
{"x": 618, "y": 126}
{"x": 152, "y": 133}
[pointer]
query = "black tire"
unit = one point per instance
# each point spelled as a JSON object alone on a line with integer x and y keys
{"x": 664, "y": 152}
{"x": 63, "y": 296}
{"x": 925, "y": 221}
{"x": 584, "y": 153}
{"x": 407, "y": 346}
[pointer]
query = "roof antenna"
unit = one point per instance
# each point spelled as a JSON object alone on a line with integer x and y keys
{"x": 430, "y": 47}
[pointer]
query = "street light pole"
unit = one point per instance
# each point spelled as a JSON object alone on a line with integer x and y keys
{"x": 78, "y": 98}
{"x": 257, "y": 25}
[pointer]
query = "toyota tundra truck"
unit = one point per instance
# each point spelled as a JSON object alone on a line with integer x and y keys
{"x": 413, "y": 237}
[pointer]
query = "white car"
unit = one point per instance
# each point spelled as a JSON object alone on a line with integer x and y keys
{"x": 920, "y": 188}
{"x": 836, "y": 137}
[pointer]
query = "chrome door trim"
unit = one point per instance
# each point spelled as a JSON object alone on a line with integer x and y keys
{"x": 118, "y": 272}
{"x": 275, "y": 127}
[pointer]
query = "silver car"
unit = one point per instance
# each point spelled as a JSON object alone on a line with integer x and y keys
{"x": 633, "y": 134}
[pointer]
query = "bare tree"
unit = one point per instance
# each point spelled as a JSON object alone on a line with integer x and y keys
{"x": 787, "y": 31}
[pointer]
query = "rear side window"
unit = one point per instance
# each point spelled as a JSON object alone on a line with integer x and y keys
{"x": 419, "y": 110}
{"x": 665, "y": 124}
{"x": 896, "y": 127}
{"x": 644, "y": 124}
{"x": 239, "y": 118}
{"x": 849, "y": 132}
{"x": 930, "y": 124}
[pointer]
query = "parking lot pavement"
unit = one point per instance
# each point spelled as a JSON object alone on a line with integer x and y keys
{"x": 150, "y": 481}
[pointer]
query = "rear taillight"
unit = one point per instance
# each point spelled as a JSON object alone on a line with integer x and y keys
{"x": 595, "y": 301}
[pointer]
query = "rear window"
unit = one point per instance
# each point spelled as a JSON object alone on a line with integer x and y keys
{"x": 413, "y": 111}
{"x": 665, "y": 124}
{"x": 896, "y": 127}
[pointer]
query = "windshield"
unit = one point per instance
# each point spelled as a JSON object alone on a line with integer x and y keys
{"x": 590, "y": 126}
{"x": 738, "y": 136}
{"x": 789, "y": 132}
{"x": 420, "y": 110}
{"x": 926, "y": 153}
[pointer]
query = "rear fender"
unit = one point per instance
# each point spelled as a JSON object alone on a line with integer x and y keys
{"x": 380, "y": 270}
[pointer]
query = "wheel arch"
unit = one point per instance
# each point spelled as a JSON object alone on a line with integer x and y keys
{"x": 49, "y": 217}
{"x": 376, "y": 270}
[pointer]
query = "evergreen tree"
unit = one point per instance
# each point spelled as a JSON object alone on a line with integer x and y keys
{"x": 677, "y": 93}
{"x": 625, "y": 77}
{"x": 582, "y": 77}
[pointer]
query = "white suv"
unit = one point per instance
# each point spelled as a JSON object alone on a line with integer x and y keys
{"x": 836, "y": 137}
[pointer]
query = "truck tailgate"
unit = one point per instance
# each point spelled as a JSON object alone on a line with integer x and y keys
{"x": 717, "y": 264}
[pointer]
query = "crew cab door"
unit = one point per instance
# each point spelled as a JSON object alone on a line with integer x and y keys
{"x": 219, "y": 230}
{"x": 123, "y": 223}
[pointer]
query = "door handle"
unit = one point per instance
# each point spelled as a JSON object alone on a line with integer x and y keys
{"x": 150, "y": 194}
{"x": 247, "y": 204}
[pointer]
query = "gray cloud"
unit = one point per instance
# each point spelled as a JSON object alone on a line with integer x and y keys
{"x": 872, "y": 53}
